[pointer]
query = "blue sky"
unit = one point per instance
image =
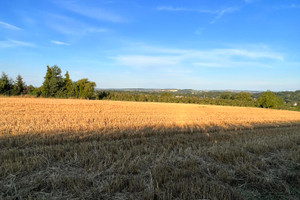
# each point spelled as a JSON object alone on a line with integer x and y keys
{"x": 197, "y": 44}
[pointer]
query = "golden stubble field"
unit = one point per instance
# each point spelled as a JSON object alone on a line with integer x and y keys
{"x": 38, "y": 115}
{"x": 80, "y": 149}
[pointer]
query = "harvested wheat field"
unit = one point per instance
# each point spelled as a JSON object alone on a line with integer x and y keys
{"x": 33, "y": 115}
{"x": 81, "y": 149}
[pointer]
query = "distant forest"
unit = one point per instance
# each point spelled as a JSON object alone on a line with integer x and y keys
{"x": 268, "y": 99}
{"x": 56, "y": 85}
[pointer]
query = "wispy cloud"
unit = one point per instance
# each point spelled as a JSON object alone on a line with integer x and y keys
{"x": 251, "y": 54}
{"x": 222, "y": 12}
{"x": 97, "y": 30}
{"x": 9, "y": 26}
{"x": 232, "y": 64}
{"x": 91, "y": 12}
{"x": 218, "y": 13}
{"x": 295, "y": 6}
{"x": 290, "y": 6}
{"x": 248, "y": 1}
{"x": 156, "y": 57}
{"x": 175, "y": 9}
{"x": 208, "y": 64}
{"x": 144, "y": 61}
{"x": 59, "y": 42}
{"x": 199, "y": 31}
{"x": 69, "y": 26}
{"x": 15, "y": 43}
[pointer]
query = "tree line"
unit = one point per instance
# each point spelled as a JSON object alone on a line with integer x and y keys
{"x": 54, "y": 85}
{"x": 266, "y": 100}
{"x": 58, "y": 86}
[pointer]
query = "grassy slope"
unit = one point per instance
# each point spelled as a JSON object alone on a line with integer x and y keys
{"x": 246, "y": 164}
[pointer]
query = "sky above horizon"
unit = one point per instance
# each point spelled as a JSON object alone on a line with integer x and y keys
{"x": 195, "y": 44}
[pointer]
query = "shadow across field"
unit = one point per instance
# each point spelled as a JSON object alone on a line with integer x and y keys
{"x": 260, "y": 161}
{"x": 60, "y": 136}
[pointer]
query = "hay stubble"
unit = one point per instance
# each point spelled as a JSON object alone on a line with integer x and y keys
{"x": 78, "y": 149}
{"x": 23, "y": 115}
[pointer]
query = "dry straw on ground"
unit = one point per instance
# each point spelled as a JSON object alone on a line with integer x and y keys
{"x": 78, "y": 149}
{"x": 23, "y": 115}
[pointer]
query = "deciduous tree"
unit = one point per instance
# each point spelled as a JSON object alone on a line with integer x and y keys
{"x": 243, "y": 96}
{"x": 85, "y": 88}
{"x": 268, "y": 100}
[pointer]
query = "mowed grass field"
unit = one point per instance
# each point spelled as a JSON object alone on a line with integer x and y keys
{"x": 80, "y": 149}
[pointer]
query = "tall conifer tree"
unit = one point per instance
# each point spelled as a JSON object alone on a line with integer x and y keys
{"x": 68, "y": 84}
{"x": 5, "y": 84}
{"x": 18, "y": 86}
{"x": 46, "y": 83}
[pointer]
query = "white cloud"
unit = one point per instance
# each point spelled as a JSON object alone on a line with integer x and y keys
{"x": 254, "y": 51}
{"x": 9, "y": 26}
{"x": 142, "y": 61}
{"x": 91, "y": 12}
{"x": 174, "y": 9}
{"x": 231, "y": 64}
{"x": 251, "y": 54}
{"x": 69, "y": 26}
{"x": 15, "y": 43}
{"x": 156, "y": 57}
{"x": 208, "y": 64}
{"x": 295, "y": 6}
{"x": 218, "y": 13}
{"x": 97, "y": 30}
{"x": 222, "y": 12}
{"x": 59, "y": 42}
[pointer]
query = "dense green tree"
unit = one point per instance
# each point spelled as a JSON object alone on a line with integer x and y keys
{"x": 226, "y": 95}
{"x": 28, "y": 89}
{"x": 56, "y": 81}
{"x": 85, "y": 89}
{"x": 165, "y": 97}
{"x": 46, "y": 83}
{"x": 6, "y": 84}
{"x": 243, "y": 96}
{"x": 18, "y": 86}
{"x": 166, "y": 94}
{"x": 53, "y": 83}
{"x": 102, "y": 94}
{"x": 268, "y": 100}
{"x": 68, "y": 85}
{"x": 298, "y": 106}
{"x": 37, "y": 91}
